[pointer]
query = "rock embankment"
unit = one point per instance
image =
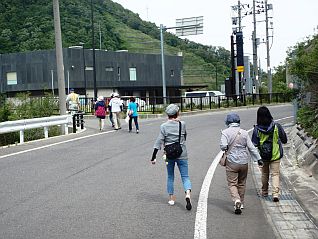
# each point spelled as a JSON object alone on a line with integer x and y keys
{"x": 300, "y": 169}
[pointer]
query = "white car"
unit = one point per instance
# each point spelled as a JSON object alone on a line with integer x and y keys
{"x": 197, "y": 96}
{"x": 141, "y": 103}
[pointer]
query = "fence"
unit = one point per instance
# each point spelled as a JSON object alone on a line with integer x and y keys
{"x": 154, "y": 105}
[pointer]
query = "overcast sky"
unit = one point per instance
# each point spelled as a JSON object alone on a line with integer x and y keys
{"x": 292, "y": 22}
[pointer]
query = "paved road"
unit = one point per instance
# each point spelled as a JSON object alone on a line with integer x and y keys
{"x": 102, "y": 185}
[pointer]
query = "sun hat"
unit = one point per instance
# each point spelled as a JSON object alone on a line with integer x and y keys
{"x": 100, "y": 98}
{"x": 232, "y": 118}
{"x": 172, "y": 109}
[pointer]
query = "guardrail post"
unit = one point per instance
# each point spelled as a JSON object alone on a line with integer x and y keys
{"x": 46, "y": 132}
{"x": 66, "y": 128}
{"x": 21, "y": 136}
{"x": 74, "y": 123}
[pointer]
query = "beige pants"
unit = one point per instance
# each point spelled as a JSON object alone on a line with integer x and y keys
{"x": 236, "y": 175}
{"x": 272, "y": 167}
{"x": 116, "y": 118}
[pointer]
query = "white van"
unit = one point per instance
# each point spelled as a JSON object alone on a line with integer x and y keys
{"x": 204, "y": 96}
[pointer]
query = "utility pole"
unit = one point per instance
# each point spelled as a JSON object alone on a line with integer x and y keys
{"x": 93, "y": 43}
{"x": 84, "y": 66}
{"x": 240, "y": 30}
{"x": 255, "y": 69}
{"x": 269, "y": 73}
{"x": 59, "y": 58}
{"x": 164, "y": 90}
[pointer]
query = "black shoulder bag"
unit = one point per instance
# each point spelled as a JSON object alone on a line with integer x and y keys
{"x": 173, "y": 151}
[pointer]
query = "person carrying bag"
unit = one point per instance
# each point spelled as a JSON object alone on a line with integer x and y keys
{"x": 238, "y": 155}
{"x": 173, "y": 136}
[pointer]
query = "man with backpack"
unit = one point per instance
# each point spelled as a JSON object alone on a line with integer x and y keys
{"x": 268, "y": 136}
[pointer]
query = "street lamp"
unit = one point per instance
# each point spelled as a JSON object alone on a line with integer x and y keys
{"x": 184, "y": 27}
{"x": 84, "y": 66}
{"x": 93, "y": 45}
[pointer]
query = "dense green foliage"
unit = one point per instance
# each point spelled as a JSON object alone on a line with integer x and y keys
{"x": 303, "y": 63}
{"x": 26, "y": 107}
{"x": 27, "y": 25}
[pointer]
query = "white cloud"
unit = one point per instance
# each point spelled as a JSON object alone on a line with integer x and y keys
{"x": 292, "y": 21}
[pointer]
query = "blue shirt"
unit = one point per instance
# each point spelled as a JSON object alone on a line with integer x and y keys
{"x": 133, "y": 106}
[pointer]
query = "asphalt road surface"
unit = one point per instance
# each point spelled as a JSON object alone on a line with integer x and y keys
{"x": 104, "y": 186}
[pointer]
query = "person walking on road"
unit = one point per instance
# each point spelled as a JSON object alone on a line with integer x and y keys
{"x": 100, "y": 112}
{"x": 237, "y": 144}
{"x": 174, "y": 131}
{"x": 110, "y": 111}
{"x": 72, "y": 101}
{"x": 132, "y": 112}
{"x": 116, "y": 107}
{"x": 268, "y": 136}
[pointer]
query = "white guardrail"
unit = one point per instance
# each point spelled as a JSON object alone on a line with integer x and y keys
{"x": 45, "y": 122}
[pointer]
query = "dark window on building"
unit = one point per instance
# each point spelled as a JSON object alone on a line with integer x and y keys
{"x": 118, "y": 73}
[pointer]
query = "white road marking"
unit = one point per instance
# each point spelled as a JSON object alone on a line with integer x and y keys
{"x": 50, "y": 145}
{"x": 201, "y": 215}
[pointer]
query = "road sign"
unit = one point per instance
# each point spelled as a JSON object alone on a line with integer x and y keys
{"x": 240, "y": 68}
{"x": 189, "y": 26}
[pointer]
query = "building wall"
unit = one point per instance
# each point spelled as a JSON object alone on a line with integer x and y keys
{"x": 35, "y": 71}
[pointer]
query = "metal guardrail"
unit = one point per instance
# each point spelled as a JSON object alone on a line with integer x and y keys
{"x": 25, "y": 124}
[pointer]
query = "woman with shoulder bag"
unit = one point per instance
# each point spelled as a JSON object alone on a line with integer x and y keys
{"x": 237, "y": 143}
{"x": 172, "y": 135}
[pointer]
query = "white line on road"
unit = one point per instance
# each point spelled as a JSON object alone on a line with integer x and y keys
{"x": 50, "y": 145}
{"x": 201, "y": 215}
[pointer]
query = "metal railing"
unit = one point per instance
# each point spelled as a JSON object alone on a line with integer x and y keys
{"x": 25, "y": 124}
{"x": 155, "y": 105}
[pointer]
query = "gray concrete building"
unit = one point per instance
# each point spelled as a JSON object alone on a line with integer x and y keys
{"x": 123, "y": 72}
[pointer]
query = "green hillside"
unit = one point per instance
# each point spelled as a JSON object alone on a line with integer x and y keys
{"x": 27, "y": 25}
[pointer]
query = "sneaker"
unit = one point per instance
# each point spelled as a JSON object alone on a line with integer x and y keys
{"x": 275, "y": 199}
{"x": 129, "y": 131}
{"x": 237, "y": 207}
{"x": 264, "y": 194}
{"x": 242, "y": 206}
{"x": 171, "y": 202}
{"x": 188, "y": 200}
{"x": 188, "y": 206}
{"x": 137, "y": 131}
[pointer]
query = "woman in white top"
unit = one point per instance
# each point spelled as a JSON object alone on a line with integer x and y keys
{"x": 237, "y": 159}
{"x": 116, "y": 107}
